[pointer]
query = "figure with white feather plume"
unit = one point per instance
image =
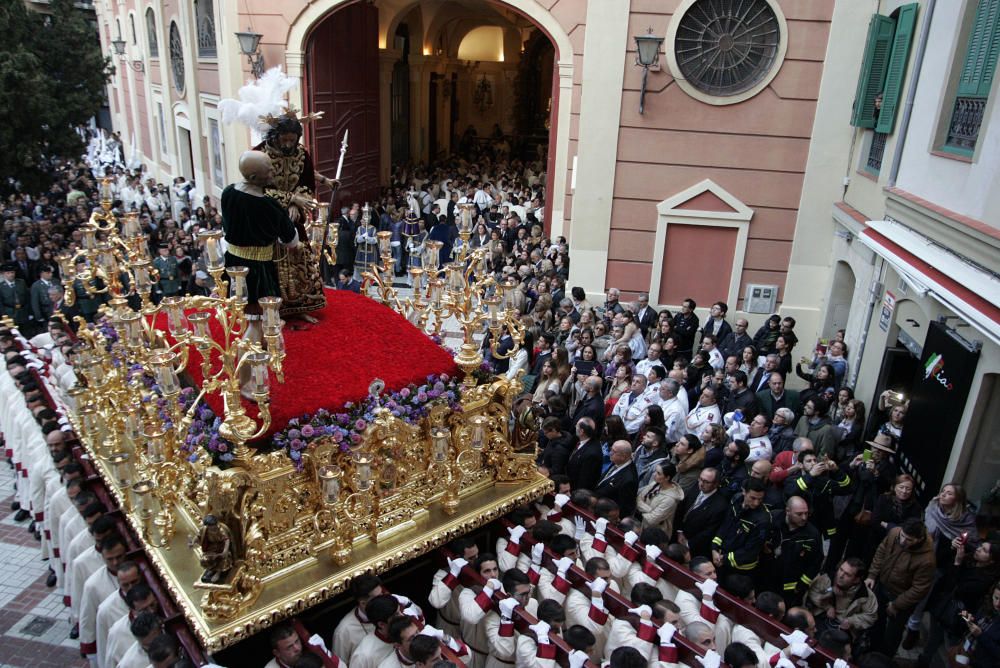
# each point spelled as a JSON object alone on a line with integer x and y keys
{"x": 262, "y": 106}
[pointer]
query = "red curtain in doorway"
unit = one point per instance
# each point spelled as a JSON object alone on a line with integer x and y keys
{"x": 342, "y": 81}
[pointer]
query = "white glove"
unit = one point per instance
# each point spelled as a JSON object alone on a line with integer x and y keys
{"x": 710, "y": 660}
{"x": 537, "y": 550}
{"x": 562, "y": 565}
{"x": 456, "y": 565}
{"x": 707, "y": 588}
{"x": 316, "y": 641}
{"x": 577, "y": 659}
{"x": 541, "y": 630}
{"x": 516, "y": 532}
{"x": 631, "y": 537}
{"x": 599, "y": 526}
{"x": 653, "y": 552}
{"x": 597, "y": 586}
{"x": 795, "y": 637}
{"x": 507, "y": 607}
{"x": 580, "y": 528}
{"x": 562, "y": 500}
{"x": 666, "y": 633}
{"x": 644, "y": 611}
{"x": 492, "y": 586}
{"x": 801, "y": 650}
{"x": 403, "y": 601}
{"x": 429, "y": 630}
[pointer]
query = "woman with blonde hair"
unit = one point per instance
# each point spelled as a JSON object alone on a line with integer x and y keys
{"x": 548, "y": 380}
{"x": 656, "y": 503}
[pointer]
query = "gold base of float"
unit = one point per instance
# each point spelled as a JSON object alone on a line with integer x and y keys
{"x": 298, "y": 535}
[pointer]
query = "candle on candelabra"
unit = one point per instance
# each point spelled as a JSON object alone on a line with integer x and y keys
{"x": 271, "y": 319}
{"x": 363, "y": 472}
{"x": 176, "y": 322}
{"x": 330, "y": 477}
{"x": 133, "y": 428}
{"x": 436, "y": 292}
{"x": 478, "y": 435}
{"x": 130, "y": 226}
{"x": 201, "y": 333}
{"x": 141, "y": 490}
{"x": 238, "y": 284}
{"x": 214, "y": 259}
{"x": 259, "y": 378}
{"x": 106, "y": 194}
{"x": 384, "y": 243}
{"x": 132, "y": 322}
{"x": 140, "y": 272}
{"x": 166, "y": 376}
{"x": 440, "y": 442}
{"x": 154, "y": 446}
{"x": 89, "y": 240}
{"x": 119, "y": 467}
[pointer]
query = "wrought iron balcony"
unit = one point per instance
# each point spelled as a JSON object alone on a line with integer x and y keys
{"x": 966, "y": 119}
{"x": 875, "y": 153}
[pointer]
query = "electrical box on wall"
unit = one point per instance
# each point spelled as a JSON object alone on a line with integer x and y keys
{"x": 760, "y": 298}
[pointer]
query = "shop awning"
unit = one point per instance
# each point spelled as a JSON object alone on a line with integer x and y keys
{"x": 970, "y": 292}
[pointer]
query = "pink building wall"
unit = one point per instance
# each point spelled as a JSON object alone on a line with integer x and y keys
{"x": 755, "y": 149}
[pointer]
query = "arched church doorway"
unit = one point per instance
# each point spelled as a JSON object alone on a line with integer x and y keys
{"x": 429, "y": 81}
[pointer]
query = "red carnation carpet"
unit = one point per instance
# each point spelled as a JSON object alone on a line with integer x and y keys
{"x": 334, "y": 361}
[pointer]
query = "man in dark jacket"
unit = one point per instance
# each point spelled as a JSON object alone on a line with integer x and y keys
{"x": 685, "y": 327}
{"x": 794, "y": 552}
{"x": 554, "y": 453}
{"x": 818, "y": 481}
{"x": 584, "y": 464}
{"x": 735, "y": 341}
{"x": 740, "y": 397}
{"x": 621, "y": 482}
{"x": 702, "y": 517}
{"x": 347, "y": 226}
{"x": 740, "y": 539}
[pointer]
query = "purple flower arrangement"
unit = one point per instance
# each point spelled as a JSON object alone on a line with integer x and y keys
{"x": 347, "y": 426}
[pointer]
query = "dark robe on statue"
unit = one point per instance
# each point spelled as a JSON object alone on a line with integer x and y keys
{"x": 252, "y": 225}
{"x": 298, "y": 270}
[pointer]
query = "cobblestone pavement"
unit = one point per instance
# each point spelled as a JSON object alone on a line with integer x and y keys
{"x": 34, "y": 627}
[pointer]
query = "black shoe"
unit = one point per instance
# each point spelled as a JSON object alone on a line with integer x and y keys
{"x": 21, "y": 515}
{"x": 31, "y": 527}
{"x": 51, "y": 580}
{"x": 15, "y": 505}
{"x": 74, "y": 632}
{"x": 38, "y": 536}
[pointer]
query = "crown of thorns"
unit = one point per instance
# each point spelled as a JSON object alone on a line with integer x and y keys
{"x": 291, "y": 114}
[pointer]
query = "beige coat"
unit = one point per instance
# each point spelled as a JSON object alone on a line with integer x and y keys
{"x": 659, "y": 510}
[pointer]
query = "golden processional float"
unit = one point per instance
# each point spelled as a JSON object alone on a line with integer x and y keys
{"x": 244, "y": 543}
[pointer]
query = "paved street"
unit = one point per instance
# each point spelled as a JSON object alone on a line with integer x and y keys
{"x": 33, "y": 620}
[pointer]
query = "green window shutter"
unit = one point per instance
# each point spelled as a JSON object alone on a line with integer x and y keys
{"x": 896, "y": 72}
{"x": 981, "y": 55}
{"x": 873, "y": 68}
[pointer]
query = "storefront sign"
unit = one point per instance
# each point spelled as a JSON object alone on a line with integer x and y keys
{"x": 888, "y": 306}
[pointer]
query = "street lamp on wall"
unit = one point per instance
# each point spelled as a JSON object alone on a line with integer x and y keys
{"x": 648, "y": 48}
{"x": 250, "y": 47}
{"x": 119, "y": 47}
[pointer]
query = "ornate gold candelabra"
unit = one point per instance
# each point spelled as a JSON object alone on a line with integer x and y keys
{"x": 462, "y": 289}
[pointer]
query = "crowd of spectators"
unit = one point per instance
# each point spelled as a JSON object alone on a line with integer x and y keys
{"x": 677, "y": 432}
